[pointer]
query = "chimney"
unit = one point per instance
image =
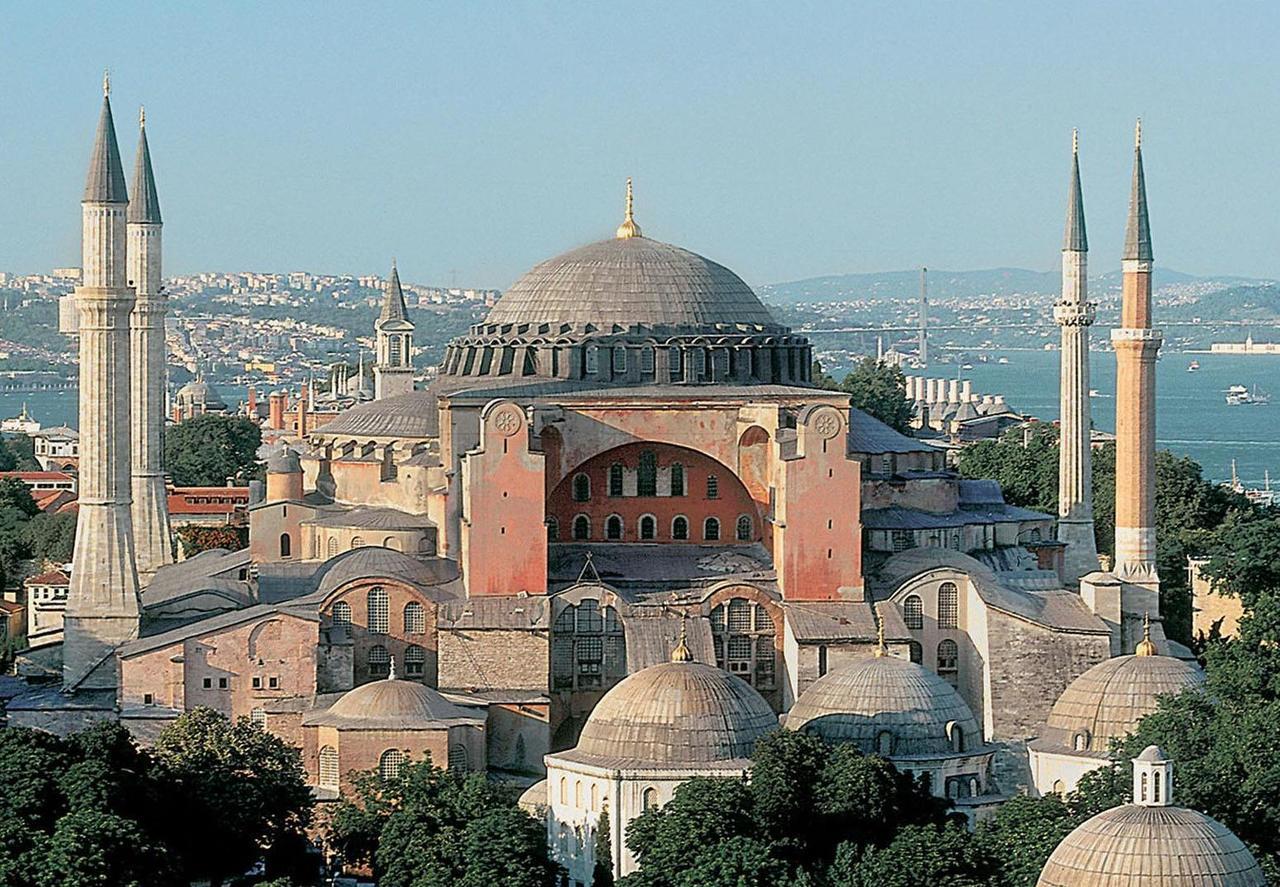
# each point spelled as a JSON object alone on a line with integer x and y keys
{"x": 953, "y": 391}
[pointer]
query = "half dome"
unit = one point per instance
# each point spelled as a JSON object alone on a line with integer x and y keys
{"x": 872, "y": 695}
{"x": 675, "y": 714}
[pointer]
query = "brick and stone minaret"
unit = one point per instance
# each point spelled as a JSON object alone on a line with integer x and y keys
{"x": 1136, "y": 345}
{"x": 147, "y": 359}
{"x": 102, "y": 604}
{"x": 393, "y": 372}
{"x": 1074, "y": 313}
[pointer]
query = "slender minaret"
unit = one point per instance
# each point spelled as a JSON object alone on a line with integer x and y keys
{"x": 147, "y": 358}
{"x": 102, "y": 604}
{"x": 1074, "y": 313}
{"x": 1136, "y": 346}
{"x": 923, "y": 349}
{"x": 393, "y": 372}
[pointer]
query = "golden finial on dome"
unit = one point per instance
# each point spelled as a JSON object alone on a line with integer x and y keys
{"x": 881, "y": 649}
{"x": 628, "y": 228}
{"x": 681, "y": 652}
{"x": 1145, "y": 646}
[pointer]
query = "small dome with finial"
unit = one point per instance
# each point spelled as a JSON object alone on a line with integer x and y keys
{"x": 1146, "y": 647}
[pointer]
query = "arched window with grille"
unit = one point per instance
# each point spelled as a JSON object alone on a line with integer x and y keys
{"x": 948, "y": 660}
{"x": 743, "y": 635}
{"x": 342, "y": 614}
{"x": 332, "y": 547}
{"x": 357, "y": 542}
{"x": 390, "y": 763}
{"x": 379, "y": 661}
{"x": 884, "y": 743}
{"x": 648, "y": 527}
{"x": 948, "y": 605}
{"x": 619, "y": 358}
{"x": 329, "y": 767}
{"x": 647, "y": 474}
{"x": 581, "y": 488}
{"x": 649, "y": 799}
{"x": 379, "y": 610}
{"x": 615, "y": 479}
{"x": 553, "y": 530}
{"x": 258, "y": 717}
{"x": 915, "y": 652}
{"x": 415, "y": 661}
{"x": 913, "y": 611}
{"x": 415, "y": 618}
{"x": 677, "y": 479}
{"x": 613, "y": 527}
{"x": 744, "y": 528}
{"x": 711, "y": 529}
{"x": 646, "y": 359}
{"x": 713, "y": 487}
{"x": 680, "y": 527}
{"x": 581, "y": 528}
{"x": 459, "y": 760}
{"x": 588, "y": 646}
{"x": 593, "y": 358}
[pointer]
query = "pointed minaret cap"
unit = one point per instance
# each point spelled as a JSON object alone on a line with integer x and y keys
{"x": 145, "y": 205}
{"x": 105, "y": 183}
{"x": 1075, "y": 239}
{"x": 628, "y": 228}
{"x": 1137, "y": 233}
{"x": 1146, "y": 647}
{"x": 681, "y": 652}
{"x": 393, "y": 306}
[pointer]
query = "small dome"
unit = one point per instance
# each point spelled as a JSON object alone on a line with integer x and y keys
{"x": 372, "y": 561}
{"x": 1108, "y": 700}
{"x": 676, "y": 714}
{"x": 1139, "y": 846}
{"x": 630, "y": 281}
{"x": 873, "y": 694}
{"x": 284, "y": 462}
{"x": 199, "y": 391}
{"x": 392, "y": 705}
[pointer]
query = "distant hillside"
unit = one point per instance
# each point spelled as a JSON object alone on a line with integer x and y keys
{"x": 1247, "y": 302}
{"x": 889, "y": 285}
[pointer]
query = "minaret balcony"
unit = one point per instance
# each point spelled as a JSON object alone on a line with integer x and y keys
{"x": 1074, "y": 313}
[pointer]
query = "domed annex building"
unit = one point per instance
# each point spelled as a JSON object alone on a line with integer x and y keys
{"x": 658, "y": 728}
{"x": 1101, "y": 706}
{"x": 1151, "y": 842}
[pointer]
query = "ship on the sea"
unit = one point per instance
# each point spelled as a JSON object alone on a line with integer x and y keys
{"x": 1193, "y": 366}
{"x": 1248, "y": 346}
{"x": 1240, "y": 395}
{"x": 22, "y": 423}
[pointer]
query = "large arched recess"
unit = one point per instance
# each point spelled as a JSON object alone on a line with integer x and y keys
{"x": 711, "y": 490}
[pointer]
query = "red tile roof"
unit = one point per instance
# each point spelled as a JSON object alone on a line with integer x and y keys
{"x": 53, "y": 577}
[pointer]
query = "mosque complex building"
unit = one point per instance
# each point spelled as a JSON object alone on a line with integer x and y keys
{"x": 618, "y": 538}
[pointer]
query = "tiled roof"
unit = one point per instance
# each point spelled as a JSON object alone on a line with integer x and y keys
{"x": 836, "y": 621}
{"x": 53, "y": 577}
{"x": 869, "y": 435}
{"x": 363, "y": 517}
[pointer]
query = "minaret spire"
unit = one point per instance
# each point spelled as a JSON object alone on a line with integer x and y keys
{"x": 1074, "y": 314}
{"x": 1137, "y": 233}
{"x": 393, "y": 366}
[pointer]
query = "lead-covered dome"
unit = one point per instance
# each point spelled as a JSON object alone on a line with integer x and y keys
{"x": 392, "y": 704}
{"x": 675, "y": 714}
{"x": 631, "y": 281}
{"x": 874, "y": 695}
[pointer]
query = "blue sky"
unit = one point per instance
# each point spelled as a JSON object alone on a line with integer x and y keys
{"x": 782, "y": 139}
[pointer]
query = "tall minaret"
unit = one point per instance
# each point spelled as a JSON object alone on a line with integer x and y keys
{"x": 102, "y": 604}
{"x": 393, "y": 371}
{"x": 1136, "y": 345}
{"x": 1075, "y": 314}
{"x": 147, "y": 358}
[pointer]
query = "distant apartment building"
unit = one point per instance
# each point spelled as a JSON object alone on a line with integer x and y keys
{"x": 57, "y": 449}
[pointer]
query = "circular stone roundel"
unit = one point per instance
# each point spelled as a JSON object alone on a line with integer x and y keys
{"x": 507, "y": 421}
{"x": 827, "y": 424}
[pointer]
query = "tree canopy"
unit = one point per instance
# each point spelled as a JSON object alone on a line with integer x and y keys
{"x": 876, "y": 388}
{"x": 208, "y": 449}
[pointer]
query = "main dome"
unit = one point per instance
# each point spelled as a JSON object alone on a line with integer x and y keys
{"x": 874, "y": 694}
{"x": 675, "y": 714}
{"x": 631, "y": 281}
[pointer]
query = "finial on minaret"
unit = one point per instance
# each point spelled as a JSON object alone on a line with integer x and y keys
{"x": 142, "y": 117}
{"x": 1145, "y": 646}
{"x": 1075, "y": 141}
{"x": 106, "y": 83}
{"x": 628, "y": 228}
{"x": 1137, "y": 134}
{"x": 881, "y": 649}
{"x": 681, "y": 652}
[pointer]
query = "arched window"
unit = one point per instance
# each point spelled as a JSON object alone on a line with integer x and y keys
{"x": 581, "y": 488}
{"x": 674, "y": 362}
{"x": 332, "y": 547}
{"x": 647, "y": 474}
{"x": 415, "y": 618}
{"x": 315, "y": 548}
{"x": 947, "y": 605}
{"x": 390, "y": 762}
{"x": 285, "y": 545}
{"x": 646, "y": 359}
{"x": 459, "y": 760}
{"x": 743, "y": 635}
{"x": 884, "y": 743}
{"x": 711, "y": 529}
{"x": 613, "y": 527}
{"x": 1144, "y": 786}
{"x": 916, "y": 652}
{"x": 587, "y": 644}
{"x": 328, "y": 767}
{"x": 553, "y": 530}
{"x": 577, "y": 794}
{"x": 648, "y": 527}
{"x": 379, "y": 610}
{"x": 615, "y": 479}
{"x": 342, "y": 614}
{"x": 582, "y": 528}
{"x": 957, "y": 737}
{"x": 593, "y": 359}
{"x": 1080, "y": 742}
{"x": 619, "y": 358}
{"x": 415, "y": 661}
{"x": 713, "y": 487}
{"x": 680, "y": 527}
{"x": 948, "y": 659}
{"x": 379, "y": 661}
{"x": 677, "y": 479}
{"x": 650, "y": 798}
{"x": 1155, "y": 786}
{"x": 913, "y": 611}
{"x": 744, "y": 528}
{"x": 357, "y": 541}
{"x": 1059, "y": 788}
{"x": 595, "y": 796}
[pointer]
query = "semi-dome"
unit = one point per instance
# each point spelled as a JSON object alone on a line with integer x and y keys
{"x": 874, "y": 695}
{"x": 377, "y": 561}
{"x": 1108, "y": 700}
{"x": 675, "y": 714}
{"x": 392, "y": 704}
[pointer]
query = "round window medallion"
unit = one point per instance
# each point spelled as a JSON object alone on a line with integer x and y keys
{"x": 507, "y": 421}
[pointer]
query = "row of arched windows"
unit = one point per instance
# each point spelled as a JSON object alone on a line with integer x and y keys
{"x": 378, "y": 609}
{"x": 379, "y": 661}
{"x": 646, "y": 480}
{"x": 332, "y": 545}
{"x": 948, "y": 608}
{"x": 647, "y": 528}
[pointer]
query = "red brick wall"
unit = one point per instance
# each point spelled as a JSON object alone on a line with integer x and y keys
{"x": 397, "y": 639}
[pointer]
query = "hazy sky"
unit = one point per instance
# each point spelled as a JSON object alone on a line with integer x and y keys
{"x": 785, "y": 140}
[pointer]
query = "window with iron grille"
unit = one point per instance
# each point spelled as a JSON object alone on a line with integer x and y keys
{"x": 646, "y": 359}
{"x": 615, "y": 479}
{"x": 379, "y": 610}
{"x": 713, "y": 487}
{"x": 901, "y": 540}
{"x": 647, "y": 474}
{"x": 913, "y": 611}
{"x": 948, "y": 604}
{"x": 680, "y": 527}
{"x": 587, "y": 644}
{"x": 582, "y": 527}
{"x": 916, "y": 652}
{"x": 581, "y": 488}
{"x": 613, "y": 527}
{"x": 648, "y": 527}
{"x": 948, "y": 659}
{"x": 744, "y": 528}
{"x": 328, "y": 767}
{"x": 742, "y": 634}
{"x": 390, "y": 762}
{"x": 677, "y": 479}
{"x": 459, "y": 760}
{"x": 415, "y": 661}
{"x": 593, "y": 359}
{"x": 415, "y": 618}
{"x": 342, "y": 614}
{"x": 620, "y": 359}
{"x": 711, "y": 529}
{"x": 379, "y": 661}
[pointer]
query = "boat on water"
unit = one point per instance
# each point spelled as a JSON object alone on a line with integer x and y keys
{"x": 1193, "y": 366}
{"x": 20, "y": 424}
{"x": 1003, "y": 360}
{"x": 1094, "y": 392}
{"x": 1240, "y": 395}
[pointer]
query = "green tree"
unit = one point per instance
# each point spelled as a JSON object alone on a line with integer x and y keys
{"x": 786, "y": 776}
{"x": 208, "y": 449}
{"x": 738, "y": 861}
{"x": 51, "y": 538}
{"x": 1021, "y": 836}
{"x": 602, "y": 873}
{"x": 703, "y": 812}
{"x": 94, "y": 848}
{"x": 919, "y": 856}
{"x": 16, "y": 496}
{"x": 880, "y": 391}
{"x": 867, "y": 797}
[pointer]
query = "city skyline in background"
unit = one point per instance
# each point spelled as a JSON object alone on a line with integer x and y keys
{"x": 473, "y": 141}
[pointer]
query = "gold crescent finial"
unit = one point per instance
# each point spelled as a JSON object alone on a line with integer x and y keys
{"x": 142, "y": 117}
{"x": 628, "y": 228}
{"x": 1137, "y": 134}
{"x": 681, "y": 652}
{"x": 106, "y": 83}
{"x": 1146, "y": 647}
{"x": 1075, "y": 141}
